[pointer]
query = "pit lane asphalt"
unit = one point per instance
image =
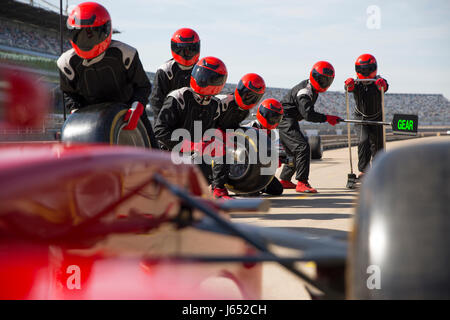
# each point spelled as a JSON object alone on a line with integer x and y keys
{"x": 330, "y": 212}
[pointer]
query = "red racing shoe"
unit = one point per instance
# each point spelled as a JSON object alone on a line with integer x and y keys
{"x": 305, "y": 187}
{"x": 287, "y": 184}
{"x": 221, "y": 193}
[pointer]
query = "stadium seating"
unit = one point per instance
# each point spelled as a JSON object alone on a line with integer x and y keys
{"x": 28, "y": 37}
{"x": 433, "y": 109}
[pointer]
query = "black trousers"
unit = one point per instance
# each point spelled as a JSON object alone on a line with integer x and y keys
{"x": 220, "y": 174}
{"x": 296, "y": 146}
{"x": 370, "y": 142}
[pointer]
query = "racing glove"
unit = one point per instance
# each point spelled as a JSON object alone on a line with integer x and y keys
{"x": 189, "y": 146}
{"x": 381, "y": 83}
{"x": 332, "y": 119}
{"x": 132, "y": 116}
{"x": 350, "y": 84}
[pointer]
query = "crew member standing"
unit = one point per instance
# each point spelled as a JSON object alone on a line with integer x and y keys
{"x": 175, "y": 73}
{"x": 298, "y": 104}
{"x": 100, "y": 70}
{"x": 367, "y": 96}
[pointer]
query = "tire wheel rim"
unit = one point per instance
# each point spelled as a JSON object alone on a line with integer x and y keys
{"x": 239, "y": 170}
{"x": 129, "y": 137}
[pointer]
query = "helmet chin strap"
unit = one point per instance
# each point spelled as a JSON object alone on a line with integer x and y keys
{"x": 203, "y": 100}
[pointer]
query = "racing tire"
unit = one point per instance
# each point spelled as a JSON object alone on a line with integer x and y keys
{"x": 275, "y": 188}
{"x": 315, "y": 144}
{"x": 103, "y": 123}
{"x": 248, "y": 178}
{"x": 400, "y": 238}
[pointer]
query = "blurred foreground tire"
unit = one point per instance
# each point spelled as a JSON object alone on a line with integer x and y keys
{"x": 400, "y": 246}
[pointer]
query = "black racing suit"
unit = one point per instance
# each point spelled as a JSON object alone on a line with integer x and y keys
{"x": 230, "y": 117}
{"x": 275, "y": 188}
{"x": 170, "y": 76}
{"x": 298, "y": 104}
{"x": 115, "y": 76}
{"x": 181, "y": 109}
{"x": 368, "y": 107}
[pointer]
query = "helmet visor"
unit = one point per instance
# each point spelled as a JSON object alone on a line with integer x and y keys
{"x": 248, "y": 96}
{"x": 185, "y": 50}
{"x": 366, "y": 69}
{"x": 205, "y": 77}
{"x": 87, "y": 38}
{"x": 272, "y": 117}
{"x": 323, "y": 80}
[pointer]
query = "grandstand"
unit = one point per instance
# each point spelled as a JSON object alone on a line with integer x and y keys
{"x": 29, "y": 36}
{"x": 432, "y": 109}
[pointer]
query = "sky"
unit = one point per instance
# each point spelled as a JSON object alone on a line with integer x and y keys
{"x": 281, "y": 40}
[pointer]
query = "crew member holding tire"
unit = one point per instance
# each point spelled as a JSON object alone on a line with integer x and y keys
{"x": 175, "y": 73}
{"x": 100, "y": 70}
{"x": 367, "y": 96}
{"x": 234, "y": 108}
{"x": 298, "y": 104}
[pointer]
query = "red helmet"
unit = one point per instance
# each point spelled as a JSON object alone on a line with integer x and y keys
{"x": 24, "y": 100}
{"x": 185, "y": 46}
{"x": 321, "y": 76}
{"x": 208, "y": 76}
{"x": 269, "y": 113}
{"x": 90, "y": 29}
{"x": 366, "y": 66}
{"x": 249, "y": 91}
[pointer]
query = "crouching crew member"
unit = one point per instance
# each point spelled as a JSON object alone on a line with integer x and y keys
{"x": 298, "y": 104}
{"x": 100, "y": 70}
{"x": 175, "y": 73}
{"x": 186, "y": 107}
{"x": 269, "y": 115}
{"x": 367, "y": 96}
{"x": 234, "y": 108}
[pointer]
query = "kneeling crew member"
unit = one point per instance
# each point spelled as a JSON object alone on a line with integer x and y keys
{"x": 298, "y": 104}
{"x": 234, "y": 108}
{"x": 187, "y": 107}
{"x": 269, "y": 115}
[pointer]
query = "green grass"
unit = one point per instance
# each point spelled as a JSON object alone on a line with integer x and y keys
{"x": 34, "y": 62}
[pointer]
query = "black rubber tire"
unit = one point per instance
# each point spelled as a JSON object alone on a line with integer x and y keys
{"x": 315, "y": 144}
{"x": 402, "y": 226}
{"x": 252, "y": 181}
{"x": 275, "y": 188}
{"x": 103, "y": 123}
